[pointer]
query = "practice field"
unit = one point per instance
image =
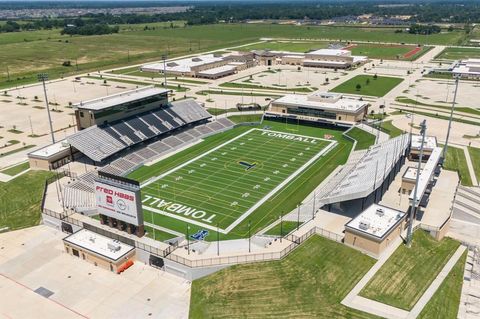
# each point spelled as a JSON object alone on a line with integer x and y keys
{"x": 220, "y": 188}
{"x": 368, "y": 85}
{"x": 459, "y": 53}
{"x": 389, "y": 52}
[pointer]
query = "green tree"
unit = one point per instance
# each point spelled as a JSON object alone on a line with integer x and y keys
{"x": 358, "y": 87}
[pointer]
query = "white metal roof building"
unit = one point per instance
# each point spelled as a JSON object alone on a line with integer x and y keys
{"x": 376, "y": 220}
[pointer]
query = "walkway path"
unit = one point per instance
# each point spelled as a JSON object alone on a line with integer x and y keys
{"x": 353, "y": 300}
{"x": 470, "y": 166}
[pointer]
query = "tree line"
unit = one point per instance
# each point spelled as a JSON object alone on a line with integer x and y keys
{"x": 209, "y": 12}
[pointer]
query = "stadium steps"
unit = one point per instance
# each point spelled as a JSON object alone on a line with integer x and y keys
{"x": 467, "y": 204}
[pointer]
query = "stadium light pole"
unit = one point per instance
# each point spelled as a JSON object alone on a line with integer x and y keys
{"x": 218, "y": 242}
{"x": 451, "y": 117}
{"x": 249, "y": 245}
{"x": 298, "y": 216}
{"x": 164, "y": 58}
{"x": 281, "y": 227}
{"x": 188, "y": 239}
{"x": 42, "y": 77}
{"x": 413, "y": 209}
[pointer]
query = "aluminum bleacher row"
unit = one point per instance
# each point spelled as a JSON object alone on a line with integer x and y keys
{"x": 79, "y": 195}
{"x": 103, "y": 141}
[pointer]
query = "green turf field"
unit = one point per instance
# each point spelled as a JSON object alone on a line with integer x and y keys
{"x": 226, "y": 184}
{"x": 292, "y": 46}
{"x": 284, "y": 201}
{"x": 309, "y": 283}
{"x": 459, "y": 53}
{"x": 369, "y": 85}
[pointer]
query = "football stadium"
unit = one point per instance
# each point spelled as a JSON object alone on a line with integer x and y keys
{"x": 231, "y": 182}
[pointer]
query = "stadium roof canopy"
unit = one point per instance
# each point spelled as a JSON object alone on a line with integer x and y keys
{"x": 120, "y": 98}
{"x": 364, "y": 173}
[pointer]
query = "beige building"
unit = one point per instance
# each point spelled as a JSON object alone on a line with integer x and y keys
{"x": 408, "y": 180}
{"x": 323, "y": 58}
{"x": 327, "y": 106}
{"x": 374, "y": 229}
{"x": 52, "y": 156}
{"x": 429, "y": 144}
{"x": 99, "y": 250}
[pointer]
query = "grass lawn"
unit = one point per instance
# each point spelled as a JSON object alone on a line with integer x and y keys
{"x": 284, "y": 229}
{"x": 446, "y": 300}
{"x": 261, "y": 87}
{"x": 375, "y": 87}
{"x": 475, "y": 157}
{"x": 390, "y": 129}
{"x": 29, "y": 52}
{"x": 221, "y": 92}
{"x": 403, "y": 99}
{"x": 20, "y": 200}
{"x": 281, "y": 203}
{"x": 459, "y": 53}
{"x": 364, "y": 139}
{"x": 456, "y": 161}
{"x": 440, "y": 116}
{"x": 309, "y": 283}
{"x": 14, "y": 170}
{"x": 403, "y": 279}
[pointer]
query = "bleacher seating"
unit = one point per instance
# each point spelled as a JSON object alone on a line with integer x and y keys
{"x": 101, "y": 142}
{"x": 79, "y": 195}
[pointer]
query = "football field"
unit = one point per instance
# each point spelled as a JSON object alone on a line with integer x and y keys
{"x": 224, "y": 185}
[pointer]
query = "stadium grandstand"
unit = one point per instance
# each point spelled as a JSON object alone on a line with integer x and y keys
{"x": 79, "y": 194}
{"x": 366, "y": 176}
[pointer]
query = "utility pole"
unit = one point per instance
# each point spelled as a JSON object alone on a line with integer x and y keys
{"x": 8, "y": 74}
{"x": 188, "y": 239}
{"x": 42, "y": 77}
{"x": 444, "y": 155}
{"x": 413, "y": 209}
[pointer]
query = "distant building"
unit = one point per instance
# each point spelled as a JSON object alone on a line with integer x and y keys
{"x": 467, "y": 69}
{"x": 331, "y": 107}
{"x": 322, "y": 58}
{"x": 210, "y": 66}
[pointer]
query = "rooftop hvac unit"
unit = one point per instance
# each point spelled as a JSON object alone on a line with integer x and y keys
{"x": 92, "y": 239}
{"x": 380, "y": 212}
{"x": 364, "y": 225}
{"x": 114, "y": 246}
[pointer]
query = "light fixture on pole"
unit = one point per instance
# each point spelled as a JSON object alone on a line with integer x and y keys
{"x": 450, "y": 119}
{"x": 164, "y": 58}
{"x": 42, "y": 77}
{"x": 413, "y": 209}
